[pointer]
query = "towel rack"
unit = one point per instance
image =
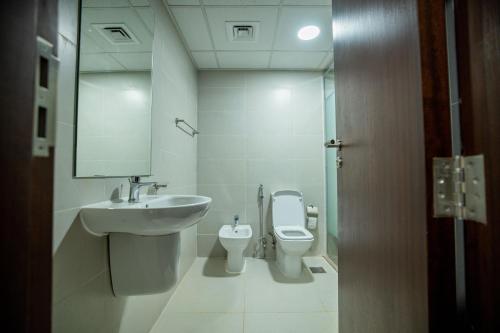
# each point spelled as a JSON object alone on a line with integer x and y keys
{"x": 193, "y": 131}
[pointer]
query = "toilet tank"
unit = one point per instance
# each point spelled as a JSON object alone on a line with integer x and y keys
{"x": 288, "y": 208}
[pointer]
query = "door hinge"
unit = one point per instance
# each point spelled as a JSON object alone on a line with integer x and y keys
{"x": 459, "y": 189}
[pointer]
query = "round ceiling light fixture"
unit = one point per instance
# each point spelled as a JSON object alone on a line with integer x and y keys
{"x": 308, "y": 32}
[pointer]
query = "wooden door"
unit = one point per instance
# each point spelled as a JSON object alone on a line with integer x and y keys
{"x": 382, "y": 193}
{"x": 396, "y": 262}
{"x": 478, "y": 54}
{"x": 27, "y": 182}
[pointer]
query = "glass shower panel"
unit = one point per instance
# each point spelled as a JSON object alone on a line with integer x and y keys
{"x": 331, "y": 168}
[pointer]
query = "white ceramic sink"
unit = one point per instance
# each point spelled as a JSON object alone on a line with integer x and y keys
{"x": 154, "y": 215}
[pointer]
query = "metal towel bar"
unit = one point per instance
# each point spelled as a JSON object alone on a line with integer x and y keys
{"x": 193, "y": 131}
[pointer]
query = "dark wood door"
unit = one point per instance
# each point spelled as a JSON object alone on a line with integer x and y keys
{"x": 27, "y": 182}
{"x": 478, "y": 54}
{"x": 396, "y": 262}
{"x": 382, "y": 192}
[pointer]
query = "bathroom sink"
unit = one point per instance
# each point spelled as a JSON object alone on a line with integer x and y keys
{"x": 154, "y": 215}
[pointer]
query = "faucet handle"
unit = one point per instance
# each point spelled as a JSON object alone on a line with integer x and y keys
{"x": 155, "y": 187}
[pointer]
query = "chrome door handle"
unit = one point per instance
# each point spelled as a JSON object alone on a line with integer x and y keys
{"x": 334, "y": 144}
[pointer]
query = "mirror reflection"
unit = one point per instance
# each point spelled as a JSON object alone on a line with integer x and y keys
{"x": 114, "y": 91}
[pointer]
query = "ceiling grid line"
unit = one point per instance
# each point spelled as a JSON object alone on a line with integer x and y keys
{"x": 274, "y": 35}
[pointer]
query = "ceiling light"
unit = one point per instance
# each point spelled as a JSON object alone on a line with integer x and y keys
{"x": 308, "y": 32}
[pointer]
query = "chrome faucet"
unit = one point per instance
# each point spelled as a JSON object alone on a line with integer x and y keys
{"x": 236, "y": 221}
{"x": 135, "y": 187}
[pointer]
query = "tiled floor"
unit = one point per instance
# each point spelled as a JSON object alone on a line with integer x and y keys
{"x": 260, "y": 300}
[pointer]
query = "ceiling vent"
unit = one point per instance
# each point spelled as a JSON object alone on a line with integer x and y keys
{"x": 116, "y": 34}
{"x": 242, "y": 31}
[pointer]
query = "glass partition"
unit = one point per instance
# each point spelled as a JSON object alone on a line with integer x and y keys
{"x": 331, "y": 168}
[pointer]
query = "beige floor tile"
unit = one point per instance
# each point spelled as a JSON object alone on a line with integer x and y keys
{"x": 199, "y": 323}
{"x": 290, "y": 323}
{"x": 199, "y": 293}
{"x": 210, "y": 300}
{"x": 271, "y": 296}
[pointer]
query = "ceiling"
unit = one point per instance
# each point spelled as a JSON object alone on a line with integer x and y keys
{"x": 202, "y": 26}
{"x": 203, "y": 29}
{"x": 98, "y": 54}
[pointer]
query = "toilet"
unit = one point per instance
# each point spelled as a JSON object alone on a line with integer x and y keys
{"x": 293, "y": 239}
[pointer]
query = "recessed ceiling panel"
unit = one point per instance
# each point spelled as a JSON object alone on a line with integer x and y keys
{"x": 147, "y": 16}
{"x": 205, "y": 60}
{"x": 241, "y": 2}
{"x": 127, "y": 16}
{"x": 87, "y": 45}
{"x": 297, "y": 60}
{"x": 134, "y": 61}
{"x": 265, "y": 16}
{"x": 294, "y": 18}
{"x": 192, "y": 24}
{"x": 247, "y": 60}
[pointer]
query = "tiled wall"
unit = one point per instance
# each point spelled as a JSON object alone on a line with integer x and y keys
{"x": 258, "y": 128}
{"x": 82, "y": 296}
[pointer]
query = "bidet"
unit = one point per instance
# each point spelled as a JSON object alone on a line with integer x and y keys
{"x": 235, "y": 239}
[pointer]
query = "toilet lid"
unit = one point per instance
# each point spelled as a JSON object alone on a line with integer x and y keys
{"x": 288, "y": 208}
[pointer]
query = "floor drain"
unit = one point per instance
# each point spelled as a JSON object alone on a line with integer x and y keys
{"x": 317, "y": 269}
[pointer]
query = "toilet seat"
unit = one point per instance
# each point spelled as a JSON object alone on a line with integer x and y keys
{"x": 288, "y": 233}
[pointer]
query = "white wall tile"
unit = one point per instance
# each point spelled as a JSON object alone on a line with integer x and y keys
{"x": 271, "y": 172}
{"x": 220, "y": 99}
{"x": 230, "y": 79}
{"x": 214, "y": 171}
{"x": 225, "y": 197}
{"x": 222, "y": 123}
{"x": 279, "y": 117}
{"x": 221, "y": 146}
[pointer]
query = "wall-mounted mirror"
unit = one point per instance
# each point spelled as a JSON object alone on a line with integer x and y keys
{"x": 113, "y": 134}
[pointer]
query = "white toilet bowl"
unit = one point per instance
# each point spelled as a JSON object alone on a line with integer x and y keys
{"x": 293, "y": 239}
{"x": 235, "y": 239}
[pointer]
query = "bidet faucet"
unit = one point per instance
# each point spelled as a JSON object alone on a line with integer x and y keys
{"x": 236, "y": 221}
{"x": 135, "y": 187}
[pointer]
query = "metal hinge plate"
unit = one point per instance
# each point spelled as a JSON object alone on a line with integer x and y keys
{"x": 459, "y": 189}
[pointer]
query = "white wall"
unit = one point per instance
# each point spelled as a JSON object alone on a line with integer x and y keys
{"x": 258, "y": 128}
{"x": 114, "y": 124}
{"x": 82, "y": 296}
